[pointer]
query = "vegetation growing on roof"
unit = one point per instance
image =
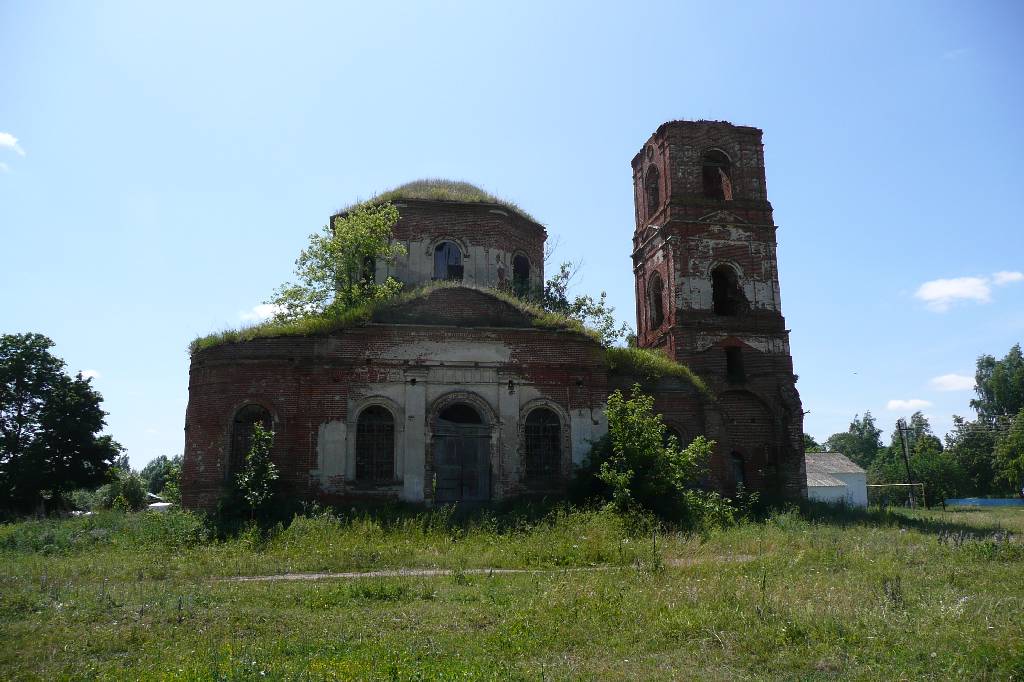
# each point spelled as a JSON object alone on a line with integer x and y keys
{"x": 440, "y": 189}
{"x": 332, "y": 321}
{"x": 336, "y": 272}
{"x": 650, "y": 365}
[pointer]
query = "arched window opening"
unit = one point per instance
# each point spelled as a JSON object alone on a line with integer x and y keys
{"x": 460, "y": 413}
{"x": 738, "y": 472}
{"x": 241, "y": 434}
{"x": 717, "y": 177}
{"x": 734, "y": 370}
{"x": 652, "y": 186}
{"x": 543, "y": 445}
{"x": 521, "y": 275}
{"x": 726, "y": 294}
{"x": 448, "y": 261}
{"x": 368, "y": 275}
{"x": 655, "y": 301}
{"x": 673, "y": 432}
{"x": 375, "y": 446}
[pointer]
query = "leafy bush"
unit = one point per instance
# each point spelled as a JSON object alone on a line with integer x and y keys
{"x": 171, "y": 529}
{"x": 650, "y": 364}
{"x": 127, "y": 492}
{"x": 257, "y": 480}
{"x": 638, "y": 468}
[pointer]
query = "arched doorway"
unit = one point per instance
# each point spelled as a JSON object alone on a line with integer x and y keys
{"x": 462, "y": 455}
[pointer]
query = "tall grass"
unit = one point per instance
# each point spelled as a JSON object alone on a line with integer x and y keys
{"x": 801, "y": 594}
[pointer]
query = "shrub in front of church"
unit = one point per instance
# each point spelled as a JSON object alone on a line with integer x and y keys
{"x": 638, "y": 467}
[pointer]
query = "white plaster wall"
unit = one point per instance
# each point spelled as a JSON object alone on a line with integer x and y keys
{"x": 830, "y": 494}
{"x": 588, "y": 425}
{"x": 411, "y": 404}
{"x": 765, "y": 344}
{"x": 699, "y": 257}
{"x": 458, "y": 352}
{"x": 330, "y": 453}
{"x": 856, "y": 488}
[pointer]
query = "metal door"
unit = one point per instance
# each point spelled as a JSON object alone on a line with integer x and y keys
{"x": 462, "y": 462}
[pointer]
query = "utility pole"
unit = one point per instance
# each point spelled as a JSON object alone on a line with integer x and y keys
{"x": 902, "y": 426}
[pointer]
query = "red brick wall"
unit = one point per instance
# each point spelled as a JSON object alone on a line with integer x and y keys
{"x": 307, "y": 381}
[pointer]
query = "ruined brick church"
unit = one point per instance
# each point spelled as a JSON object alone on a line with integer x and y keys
{"x": 458, "y": 395}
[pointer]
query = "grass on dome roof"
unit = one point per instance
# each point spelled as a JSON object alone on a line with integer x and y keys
{"x": 315, "y": 325}
{"x": 439, "y": 189}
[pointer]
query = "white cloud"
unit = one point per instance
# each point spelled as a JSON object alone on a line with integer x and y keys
{"x": 263, "y": 311}
{"x": 912, "y": 404}
{"x": 1004, "y": 277}
{"x": 11, "y": 142}
{"x": 940, "y": 294}
{"x": 952, "y": 382}
{"x": 90, "y": 374}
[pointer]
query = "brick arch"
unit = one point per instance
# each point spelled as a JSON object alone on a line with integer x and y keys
{"x": 728, "y": 263}
{"x": 446, "y": 237}
{"x": 655, "y": 298}
{"x": 478, "y": 402}
{"x": 686, "y": 433}
{"x": 229, "y": 456}
{"x": 715, "y": 148}
{"x": 565, "y": 437}
{"x": 490, "y": 421}
{"x": 750, "y": 428}
{"x": 652, "y": 189}
{"x": 352, "y": 422}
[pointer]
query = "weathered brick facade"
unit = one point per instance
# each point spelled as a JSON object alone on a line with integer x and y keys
{"x": 489, "y": 236}
{"x": 460, "y": 395}
{"x": 454, "y": 345}
{"x": 705, "y": 237}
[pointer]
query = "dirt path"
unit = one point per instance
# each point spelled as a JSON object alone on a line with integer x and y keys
{"x": 440, "y": 572}
{"x": 407, "y": 573}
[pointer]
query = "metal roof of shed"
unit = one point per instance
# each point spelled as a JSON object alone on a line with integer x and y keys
{"x": 831, "y": 463}
{"x": 817, "y": 479}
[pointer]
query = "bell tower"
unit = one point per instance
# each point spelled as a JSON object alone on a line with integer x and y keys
{"x": 707, "y": 291}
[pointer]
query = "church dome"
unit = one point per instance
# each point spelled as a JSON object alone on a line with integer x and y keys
{"x": 441, "y": 190}
{"x": 454, "y": 230}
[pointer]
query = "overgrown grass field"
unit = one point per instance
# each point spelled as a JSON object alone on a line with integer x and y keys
{"x": 809, "y": 595}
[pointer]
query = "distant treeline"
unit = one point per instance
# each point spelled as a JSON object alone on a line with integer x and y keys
{"x": 983, "y": 457}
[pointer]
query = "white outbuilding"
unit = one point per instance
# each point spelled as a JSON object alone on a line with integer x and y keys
{"x": 832, "y": 477}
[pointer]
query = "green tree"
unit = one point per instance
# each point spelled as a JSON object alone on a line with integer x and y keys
{"x": 127, "y": 492}
{"x": 256, "y": 482}
{"x": 930, "y": 464}
{"x": 811, "y": 445}
{"x": 1000, "y": 386}
{"x": 49, "y": 426}
{"x": 643, "y": 468}
{"x": 594, "y": 313}
{"x": 919, "y": 435}
{"x": 171, "y": 491}
{"x": 335, "y": 271}
{"x": 1009, "y": 452}
{"x": 860, "y": 442}
{"x": 972, "y": 444}
{"x": 159, "y": 472}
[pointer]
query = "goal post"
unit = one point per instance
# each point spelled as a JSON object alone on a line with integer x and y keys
{"x": 897, "y": 495}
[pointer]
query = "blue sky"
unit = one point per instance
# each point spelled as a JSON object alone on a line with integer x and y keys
{"x": 163, "y": 165}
